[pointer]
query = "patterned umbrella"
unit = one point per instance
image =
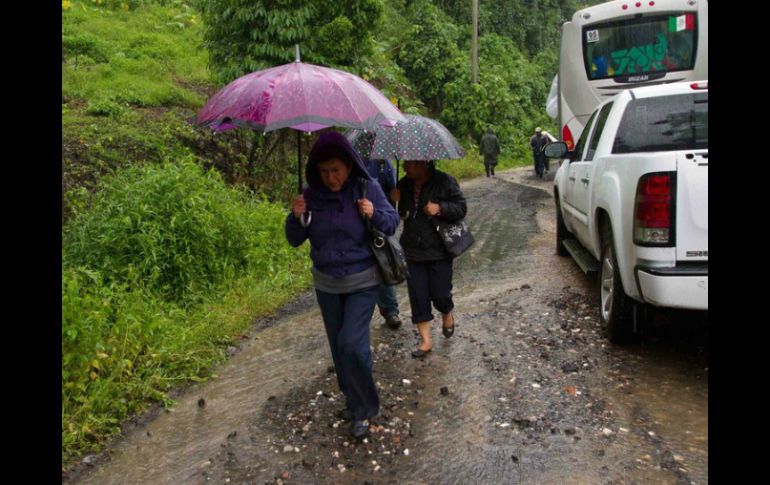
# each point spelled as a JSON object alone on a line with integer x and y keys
{"x": 419, "y": 138}
{"x": 301, "y": 96}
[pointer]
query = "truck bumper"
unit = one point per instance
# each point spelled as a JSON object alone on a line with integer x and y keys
{"x": 679, "y": 287}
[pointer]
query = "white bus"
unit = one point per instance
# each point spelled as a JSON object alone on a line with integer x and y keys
{"x": 625, "y": 44}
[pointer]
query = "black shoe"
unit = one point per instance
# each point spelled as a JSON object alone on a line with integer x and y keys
{"x": 449, "y": 331}
{"x": 359, "y": 428}
{"x": 393, "y": 321}
{"x": 420, "y": 354}
{"x": 345, "y": 414}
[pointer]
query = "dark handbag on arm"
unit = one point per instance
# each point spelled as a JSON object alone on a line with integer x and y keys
{"x": 456, "y": 236}
{"x": 390, "y": 256}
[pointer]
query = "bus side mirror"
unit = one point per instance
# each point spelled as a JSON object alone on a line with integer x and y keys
{"x": 557, "y": 149}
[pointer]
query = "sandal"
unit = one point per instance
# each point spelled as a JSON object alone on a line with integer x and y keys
{"x": 449, "y": 331}
{"x": 420, "y": 354}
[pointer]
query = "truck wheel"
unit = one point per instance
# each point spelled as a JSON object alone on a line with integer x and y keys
{"x": 562, "y": 232}
{"x": 615, "y": 307}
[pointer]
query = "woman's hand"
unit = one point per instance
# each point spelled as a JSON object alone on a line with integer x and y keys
{"x": 432, "y": 209}
{"x": 366, "y": 208}
{"x": 299, "y": 206}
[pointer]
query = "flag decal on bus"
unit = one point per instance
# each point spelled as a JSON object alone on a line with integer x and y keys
{"x": 683, "y": 22}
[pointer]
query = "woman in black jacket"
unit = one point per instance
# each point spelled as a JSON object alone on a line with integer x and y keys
{"x": 424, "y": 195}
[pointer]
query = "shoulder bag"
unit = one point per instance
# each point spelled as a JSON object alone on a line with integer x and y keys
{"x": 388, "y": 252}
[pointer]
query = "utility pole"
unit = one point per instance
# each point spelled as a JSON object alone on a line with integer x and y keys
{"x": 539, "y": 28}
{"x": 475, "y": 47}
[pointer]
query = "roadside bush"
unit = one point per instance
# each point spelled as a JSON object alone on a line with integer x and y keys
{"x": 85, "y": 44}
{"x": 162, "y": 268}
{"x": 179, "y": 230}
{"x": 104, "y": 108}
{"x": 107, "y": 336}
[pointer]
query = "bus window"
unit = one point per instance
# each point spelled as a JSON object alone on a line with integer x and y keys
{"x": 660, "y": 43}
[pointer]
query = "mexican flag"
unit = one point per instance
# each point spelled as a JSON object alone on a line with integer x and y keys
{"x": 683, "y": 22}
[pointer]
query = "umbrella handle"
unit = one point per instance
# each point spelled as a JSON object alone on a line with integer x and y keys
{"x": 305, "y": 218}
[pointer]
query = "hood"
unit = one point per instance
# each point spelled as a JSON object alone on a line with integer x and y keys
{"x": 332, "y": 139}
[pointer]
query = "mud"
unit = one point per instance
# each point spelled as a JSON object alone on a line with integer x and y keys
{"x": 526, "y": 391}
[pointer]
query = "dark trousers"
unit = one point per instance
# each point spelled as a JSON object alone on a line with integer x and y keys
{"x": 489, "y": 166}
{"x": 429, "y": 281}
{"x": 347, "y": 318}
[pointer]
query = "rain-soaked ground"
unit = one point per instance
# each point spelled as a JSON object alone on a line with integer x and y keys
{"x": 527, "y": 391}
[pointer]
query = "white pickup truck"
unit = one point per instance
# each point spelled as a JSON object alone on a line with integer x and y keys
{"x": 632, "y": 202}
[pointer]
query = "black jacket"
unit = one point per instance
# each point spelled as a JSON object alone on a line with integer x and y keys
{"x": 420, "y": 239}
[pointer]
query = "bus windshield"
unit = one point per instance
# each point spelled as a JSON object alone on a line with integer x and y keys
{"x": 627, "y": 48}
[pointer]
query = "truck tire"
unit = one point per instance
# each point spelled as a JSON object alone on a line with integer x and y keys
{"x": 562, "y": 232}
{"x": 615, "y": 307}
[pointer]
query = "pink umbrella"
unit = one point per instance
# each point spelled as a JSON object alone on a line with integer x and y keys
{"x": 301, "y": 96}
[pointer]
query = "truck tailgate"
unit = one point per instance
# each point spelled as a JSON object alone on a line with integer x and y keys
{"x": 692, "y": 206}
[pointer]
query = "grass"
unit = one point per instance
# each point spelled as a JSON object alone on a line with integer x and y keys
{"x": 130, "y": 80}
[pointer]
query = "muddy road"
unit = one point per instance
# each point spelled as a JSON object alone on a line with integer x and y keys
{"x": 526, "y": 391}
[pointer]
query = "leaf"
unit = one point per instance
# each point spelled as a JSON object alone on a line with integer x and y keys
{"x": 570, "y": 390}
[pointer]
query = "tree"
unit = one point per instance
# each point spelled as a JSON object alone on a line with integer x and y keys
{"x": 243, "y": 36}
{"x": 428, "y": 55}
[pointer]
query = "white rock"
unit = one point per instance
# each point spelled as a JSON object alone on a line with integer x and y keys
{"x": 607, "y": 431}
{"x": 536, "y": 385}
{"x": 319, "y": 393}
{"x": 623, "y": 430}
{"x": 288, "y": 448}
{"x": 406, "y": 381}
{"x": 406, "y": 451}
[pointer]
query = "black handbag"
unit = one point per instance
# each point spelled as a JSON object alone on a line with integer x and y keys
{"x": 456, "y": 236}
{"x": 390, "y": 256}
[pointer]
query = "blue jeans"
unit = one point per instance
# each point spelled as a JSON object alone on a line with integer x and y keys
{"x": 386, "y": 301}
{"x": 347, "y": 318}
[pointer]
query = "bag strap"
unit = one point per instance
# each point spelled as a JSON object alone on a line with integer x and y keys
{"x": 367, "y": 222}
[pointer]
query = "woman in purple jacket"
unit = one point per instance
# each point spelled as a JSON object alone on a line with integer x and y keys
{"x": 330, "y": 214}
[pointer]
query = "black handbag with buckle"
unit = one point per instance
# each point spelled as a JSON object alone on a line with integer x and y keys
{"x": 390, "y": 256}
{"x": 456, "y": 236}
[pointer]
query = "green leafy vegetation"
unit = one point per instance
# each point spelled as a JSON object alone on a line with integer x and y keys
{"x": 166, "y": 266}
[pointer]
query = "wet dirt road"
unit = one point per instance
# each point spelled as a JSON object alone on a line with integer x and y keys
{"x": 527, "y": 391}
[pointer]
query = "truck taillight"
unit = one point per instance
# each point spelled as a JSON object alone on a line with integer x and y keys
{"x": 654, "y": 209}
{"x": 566, "y": 137}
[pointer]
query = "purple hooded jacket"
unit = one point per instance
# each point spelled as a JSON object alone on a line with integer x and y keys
{"x": 339, "y": 239}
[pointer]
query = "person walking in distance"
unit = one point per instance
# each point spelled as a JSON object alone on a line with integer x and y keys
{"x": 490, "y": 149}
{"x": 536, "y": 143}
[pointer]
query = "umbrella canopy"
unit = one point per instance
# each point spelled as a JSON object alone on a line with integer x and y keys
{"x": 418, "y": 138}
{"x": 301, "y": 96}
